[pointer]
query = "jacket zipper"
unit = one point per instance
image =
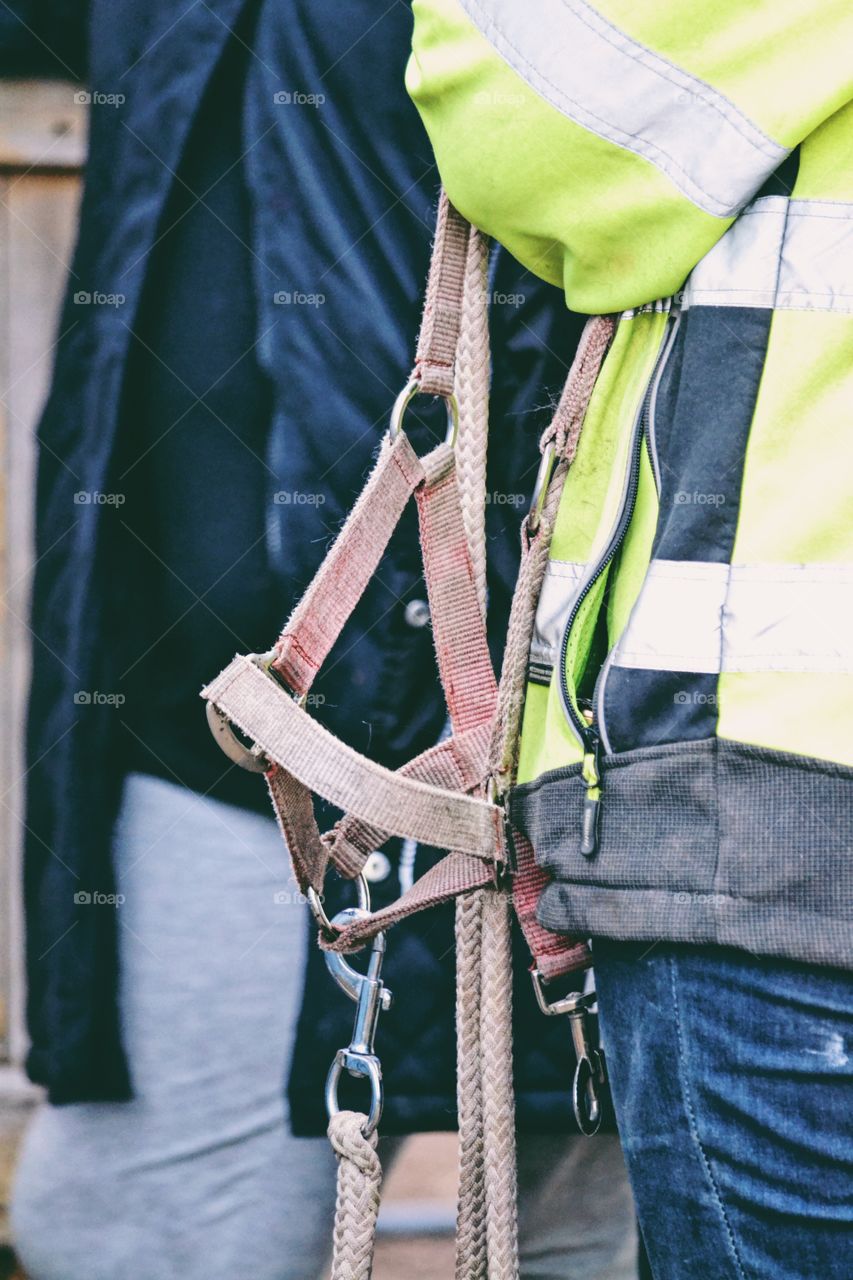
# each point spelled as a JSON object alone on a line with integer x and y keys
{"x": 654, "y": 386}
{"x": 650, "y": 410}
{"x": 590, "y": 733}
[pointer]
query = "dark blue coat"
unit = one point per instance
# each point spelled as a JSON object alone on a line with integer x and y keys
{"x": 344, "y": 199}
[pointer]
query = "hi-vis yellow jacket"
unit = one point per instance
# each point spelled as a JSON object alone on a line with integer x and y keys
{"x": 687, "y": 751}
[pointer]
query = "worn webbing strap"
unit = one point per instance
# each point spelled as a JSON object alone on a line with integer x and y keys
{"x": 464, "y": 659}
{"x": 291, "y": 738}
{"x": 421, "y": 801}
{"x": 435, "y": 361}
{"x": 565, "y": 427}
{"x": 466, "y": 674}
{"x": 553, "y": 954}
{"x": 294, "y": 810}
{"x": 458, "y": 628}
{"x": 457, "y": 763}
{"x": 427, "y": 801}
{"x": 456, "y": 874}
{"x": 319, "y": 618}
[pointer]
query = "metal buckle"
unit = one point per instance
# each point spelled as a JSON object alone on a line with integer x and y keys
{"x": 591, "y": 1072}
{"x": 540, "y": 489}
{"x": 250, "y": 758}
{"x": 402, "y": 403}
{"x": 371, "y": 996}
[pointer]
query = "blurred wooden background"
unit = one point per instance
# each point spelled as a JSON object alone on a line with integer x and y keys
{"x": 42, "y": 147}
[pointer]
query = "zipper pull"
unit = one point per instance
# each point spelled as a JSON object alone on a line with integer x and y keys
{"x": 591, "y": 821}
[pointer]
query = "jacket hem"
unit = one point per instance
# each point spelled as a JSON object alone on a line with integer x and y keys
{"x": 702, "y": 842}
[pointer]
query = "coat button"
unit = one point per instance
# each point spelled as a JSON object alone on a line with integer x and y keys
{"x": 377, "y": 867}
{"x": 417, "y": 613}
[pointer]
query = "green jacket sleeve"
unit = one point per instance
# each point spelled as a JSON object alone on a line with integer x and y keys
{"x": 609, "y": 148}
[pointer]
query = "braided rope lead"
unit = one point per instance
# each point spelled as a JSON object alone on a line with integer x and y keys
{"x": 472, "y": 395}
{"x": 487, "y": 1221}
{"x": 486, "y": 1238}
{"x": 471, "y": 1212}
{"x": 472, "y": 392}
{"x": 359, "y": 1181}
{"x": 499, "y": 1154}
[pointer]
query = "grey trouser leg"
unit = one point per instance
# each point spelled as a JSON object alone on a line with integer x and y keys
{"x": 198, "y": 1178}
{"x": 575, "y": 1212}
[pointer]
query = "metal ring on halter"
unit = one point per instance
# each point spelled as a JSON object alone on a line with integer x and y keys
{"x": 402, "y": 403}
{"x": 366, "y": 1066}
{"x": 316, "y": 904}
{"x": 540, "y": 489}
{"x": 250, "y": 758}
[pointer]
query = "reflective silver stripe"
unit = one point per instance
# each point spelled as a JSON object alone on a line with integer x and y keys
{"x": 559, "y": 589}
{"x": 600, "y": 78}
{"x": 793, "y": 255}
{"x": 697, "y": 616}
{"x": 676, "y": 623}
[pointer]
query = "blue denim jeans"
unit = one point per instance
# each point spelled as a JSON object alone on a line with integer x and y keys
{"x": 731, "y": 1077}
